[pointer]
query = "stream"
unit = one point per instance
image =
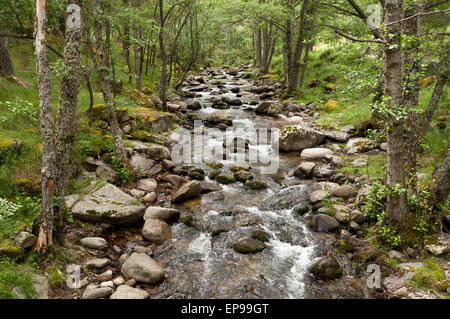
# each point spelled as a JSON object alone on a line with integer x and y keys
{"x": 200, "y": 265}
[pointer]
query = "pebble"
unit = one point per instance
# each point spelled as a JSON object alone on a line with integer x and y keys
{"x": 107, "y": 284}
{"x": 106, "y": 276}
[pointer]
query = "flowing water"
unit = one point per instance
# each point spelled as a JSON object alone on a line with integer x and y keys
{"x": 200, "y": 265}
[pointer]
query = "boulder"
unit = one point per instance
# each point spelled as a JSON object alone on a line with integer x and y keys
{"x": 249, "y": 246}
{"x": 194, "y": 105}
{"x": 147, "y": 185}
{"x": 158, "y": 152}
{"x": 187, "y": 191}
{"x": 107, "y": 204}
{"x": 150, "y": 198}
{"x": 97, "y": 243}
{"x": 25, "y": 240}
{"x": 97, "y": 263}
{"x": 97, "y": 293}
{"x": 315, "y": 154}
{"x": 107, "y": 173}
{"x": 256, "y": 185}
{"x": 142, "y": 268}
{"x": 156, "y": 231}
{"x": 360, "y": 145}
{"x": 127, "y": 292}
{"x": 305, "y": 169}
{"x": 267, "y": 108}
{"x": 219, "y": 117}
{"x": 344, "y": 191}
{"x": 326, "y": 268}
{"x": 299, "y": 137}
{"x": 225, "y": 179}
{"x": 341, "y": 213}
{"x": 324, "y": 223}
{"x": 169, "y": 215}
{"x": 317, "y": 196}
{"x": 337, "y": 136}
{"x": 141, "y": 164}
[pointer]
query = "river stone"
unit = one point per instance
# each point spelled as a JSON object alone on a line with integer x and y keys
{"x": 360, "y": 145}
{"x": 168, "y": 164}
{"x": 317, "y": 196}
{"x": 305, "y": 169}
{"x": 94, "y": 243}
{"x": 158, "y": 152}
{"x": 208, "y": 187}
{"x": 299, "y": 137}
{"x": 156, "y": 231}
{"x": 119, "y": 280}
{"x": 187, "y": 191}
{"x": 315, "y": 154}
{"x": 107, "y": 284}
{"x": 225, "y": 179}
{"x": 142, "y": 268}
{"x": 97, "y": 263}
{"x": 141, "y": 164}
{"x": 243, "y": 176}
{"x": 155, "y": 170}
{"x": 108, "y": 204}
{"x": 127, "y": 292}
{"x": 147, "y": 185}
{"x": 256, "y": 185}
{"x": 344, "y": 191}
{"x": 219, "y": 117}
{"x": 97, "y": 293}
{"x": 106, "y": 276}
{"x": 194, "y": 105}
{"x": 150, "y": 198}
{"x": 337, "y": 136}
{"x": 25, "y": 240}
{"x": 107, "y": 173}
{"x": 169, "y": 215}
{"x": 324, "y": 223}
{"x": 326, "y": 268}
{"x": 249, "y": 246}
{"x": 267, "y": 108}
{"x": 341, "y": 213}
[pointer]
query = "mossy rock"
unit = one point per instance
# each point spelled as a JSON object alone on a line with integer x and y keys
{"x": 8, "y": 147}
{"x": 260, "y": 235}
{"x": 327, "y": 268}
{"x": 256, "y": 185}
{"x": 219, "y": 231}
{"x": 345, "y": 246}
{"x": 329, "y": 88}
{"x": 197, "y": 176}
{"x": 236, "y": 168}
{"x": 243, "y": 176}
{"x": 331, "y": 105}
{"x": 225, "y": 179}
{"x": 99, "y": 112}
{"x": 214, "y": 165}
{"x": 11, "y": 251}
{"x": 213, "y": 174}
{"x": 188, "y": 221}
{"x": 249, "y": 246}
{"x": 427, "y": 81}
{"x": 145, "y": 136}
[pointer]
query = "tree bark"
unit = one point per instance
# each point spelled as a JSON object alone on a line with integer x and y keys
{"x": 295, "y": 65}
{"x": 67, "y": 112}
{"x": 397, "y": 210}
{"x": 162, "y": 47}
{"x": 440, "y": 183}
{"x": 137, "y": 49}
{"x": 6, "y": 67}
{"x": 45, "y": 237}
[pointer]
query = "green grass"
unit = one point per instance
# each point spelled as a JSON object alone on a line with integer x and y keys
{"x": 430, "y": 277}
{"x": 375, "y": 167}
{"x": 17, "y": 276}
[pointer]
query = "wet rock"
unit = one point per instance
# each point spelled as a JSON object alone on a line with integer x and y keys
{"x": 108, "y": 204}
{"x": 208, "y": 187}
{"x": 327, "y": 268}
{"x": 317, "y": 196}
{"x": 324, "y": 223}
{"x": 194, "y": 105}
{"x": 197, "y": 175}
{"x": 256, "y": 185}
{"x": 304, "y": 170}
{"x": 298, "y": 138}
{"x": 249, "y": 246}
{"x": 315, "y": 154}
{"x": 235, "y": 102}
{"x": 147, "y": 185}
{"x": 97, "y": 243}
{"x": 267, "y": 108}
{"x": 301, "y": 208}
{"x": 344, "y": 191}
{"x": 235, "y": 90}
{"x": 97, "y": 293}
{"x": 243, "y": 176}
{"x": 168, "y": 215}
{"x": 233, "y": 71}
{"x": 187, "y": 191}
{"x": 156, "y": 231}
{"x": 219, "y": 117}
{"x": 225, "y": 179}
{"x": 25, "y": 240}
{"x": 127, "y": 292}
{"x": 142, "y": 268}
{"x": 97, "y": 263}
{"x": 260, "y": 235}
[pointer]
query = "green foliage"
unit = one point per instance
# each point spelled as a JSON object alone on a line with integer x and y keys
{"x": 89, "y": 144}
{"x": 19, "y": 110}
{"x": 15, "y": 276}
{"x": 17, "y": 212}
{"x": 430, "y": 277}
{"x": 122, "y": 172}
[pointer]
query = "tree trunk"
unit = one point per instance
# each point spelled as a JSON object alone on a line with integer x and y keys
{"x": 397, "y": 210}
{"x": 162, "y": 47}
{"x": 67, "y": 110}
{"x": 441, "y": 182}
{"x": 6, "y": 67}
{"x": 137, "y": 49}
{"x": 106, "y": 89}
{"x": 126, "y": 45}
{"x": 45, "y": 238}
{"x": 295, "y": 66}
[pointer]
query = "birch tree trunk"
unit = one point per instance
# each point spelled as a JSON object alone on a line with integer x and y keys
{"x": 67, "y": 110}
{"x": 45, "y": 238}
